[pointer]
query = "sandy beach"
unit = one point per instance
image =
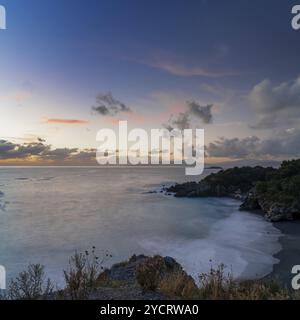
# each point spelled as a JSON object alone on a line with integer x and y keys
{"x": 290, "y": 253}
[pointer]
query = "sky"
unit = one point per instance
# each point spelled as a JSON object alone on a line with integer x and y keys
{"x": 69, "y": 68}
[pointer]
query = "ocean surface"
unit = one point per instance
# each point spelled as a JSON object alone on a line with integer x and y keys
{"x": 48, "y": 213}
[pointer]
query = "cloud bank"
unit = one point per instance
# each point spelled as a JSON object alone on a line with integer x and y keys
{"x": 283, "y": 144}
{"x": 41, "y": 152}
{"x": 276, "y": 106}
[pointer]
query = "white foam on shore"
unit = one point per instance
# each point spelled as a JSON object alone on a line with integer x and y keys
{"x": 244, "y": 242}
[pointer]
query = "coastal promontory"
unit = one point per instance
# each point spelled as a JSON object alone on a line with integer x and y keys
{"x": 274, "y": 192}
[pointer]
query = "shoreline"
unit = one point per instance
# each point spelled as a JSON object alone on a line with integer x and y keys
{"x": 289, "y": 255}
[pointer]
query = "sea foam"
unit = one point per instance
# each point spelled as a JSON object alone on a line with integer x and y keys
{"x": 244, "y": 242}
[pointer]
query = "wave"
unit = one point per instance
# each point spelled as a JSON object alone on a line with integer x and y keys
{"x": 243, "y": 242}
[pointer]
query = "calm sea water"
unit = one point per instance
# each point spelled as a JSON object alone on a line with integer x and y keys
{"x": 48, "y": 213}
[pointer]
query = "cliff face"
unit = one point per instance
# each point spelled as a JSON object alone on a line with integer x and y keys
{"x": 273, "y": 209}
{"x": 276, "y": 192}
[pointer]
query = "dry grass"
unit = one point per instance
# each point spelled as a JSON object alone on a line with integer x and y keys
{"x": 217, "y": 285}
{"x": 81, "y": 277}
{"x": 178, "y": 285}
{"x": 104, "y": 281}
{"x": 150, "y": 272}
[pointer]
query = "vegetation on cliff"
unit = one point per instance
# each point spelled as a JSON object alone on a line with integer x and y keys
{"x": 230, "y": 182}
{"x": 276, "y": 192}
{"x": 279, "y": 194}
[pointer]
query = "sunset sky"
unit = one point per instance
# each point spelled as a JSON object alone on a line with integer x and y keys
{"x": 71, "y": 67}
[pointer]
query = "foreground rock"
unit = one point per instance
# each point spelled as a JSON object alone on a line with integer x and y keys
{"x": 275, "y": 192}
{"x": 143, "y": 278}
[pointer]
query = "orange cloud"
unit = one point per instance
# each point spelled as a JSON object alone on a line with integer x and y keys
{"x": 66, "y": 121}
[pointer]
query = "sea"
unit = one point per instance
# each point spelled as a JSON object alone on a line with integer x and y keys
{"x": 48, "y": 213}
